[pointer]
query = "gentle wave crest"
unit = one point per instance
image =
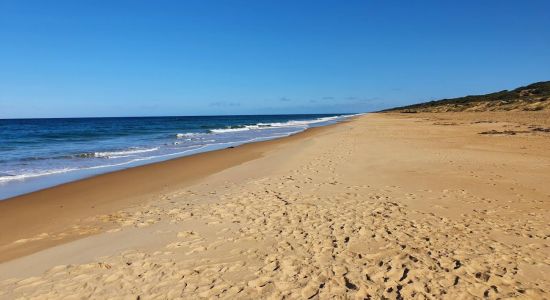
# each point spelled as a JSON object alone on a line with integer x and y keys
{"x": 8, "y": 177}
{"x": 116, "y": 154}
{"x": 260, "y": 126}
{"x": 186, "y": 135}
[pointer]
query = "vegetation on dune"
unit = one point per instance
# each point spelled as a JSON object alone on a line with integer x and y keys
{"x": 532, "y": 97}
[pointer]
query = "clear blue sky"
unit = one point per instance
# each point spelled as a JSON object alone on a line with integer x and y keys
{"x": 133, "y": 58}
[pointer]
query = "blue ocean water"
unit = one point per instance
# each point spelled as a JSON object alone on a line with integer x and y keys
{"x": 38, "y": 153}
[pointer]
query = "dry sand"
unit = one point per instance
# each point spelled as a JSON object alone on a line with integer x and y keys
{"x": 387, "y": 205}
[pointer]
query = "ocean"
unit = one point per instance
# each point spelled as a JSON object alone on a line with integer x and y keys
{"x": 40, "y": 153}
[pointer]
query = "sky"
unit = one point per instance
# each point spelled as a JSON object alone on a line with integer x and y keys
{"x": 155, "y": 58}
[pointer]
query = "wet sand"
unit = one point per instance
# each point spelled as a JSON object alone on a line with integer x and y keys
{"x": 393, "y": 205}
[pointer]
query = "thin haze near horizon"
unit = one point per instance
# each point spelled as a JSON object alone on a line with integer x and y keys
{"x": 154, "y": 58}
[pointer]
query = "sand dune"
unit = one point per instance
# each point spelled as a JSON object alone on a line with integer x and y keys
{"x": 387, "y": 205}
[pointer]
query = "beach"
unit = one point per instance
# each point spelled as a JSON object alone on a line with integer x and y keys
{"x": 394, "y": 205}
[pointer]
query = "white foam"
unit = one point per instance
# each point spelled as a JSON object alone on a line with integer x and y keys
{"x": 186, "y": 135}
{"x": 261, "y": 126}
{"x": 298, "y": 123}
{"x": 4, "y": 179}
{"x": 224, "y": 130}
{"x": 124, "y": 153}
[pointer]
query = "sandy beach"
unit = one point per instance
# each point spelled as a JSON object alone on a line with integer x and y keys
{"x": 395, "y": 206}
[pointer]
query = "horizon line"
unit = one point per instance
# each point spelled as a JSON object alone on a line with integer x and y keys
{"x": 175, "y": 116}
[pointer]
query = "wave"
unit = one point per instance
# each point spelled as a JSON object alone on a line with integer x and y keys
{"x": 260, "y": 126}
{"x": 294, "y": 123}
{"x": 116, "y": 154}
{"x": 186, "y": 135}
{"x": 9, "y": 177}
{"x": 224, "y": 130}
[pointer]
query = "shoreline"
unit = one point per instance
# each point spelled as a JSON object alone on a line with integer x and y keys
{"x": 27, "y": 182}
{"x": 50, "y": 209}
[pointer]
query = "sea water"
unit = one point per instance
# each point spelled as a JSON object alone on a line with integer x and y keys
{"x": 40, "y": 153}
